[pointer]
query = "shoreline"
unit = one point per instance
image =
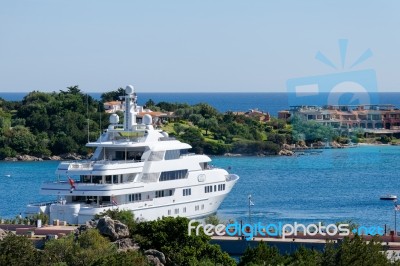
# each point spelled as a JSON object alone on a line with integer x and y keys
{"x": 284, "y": 152}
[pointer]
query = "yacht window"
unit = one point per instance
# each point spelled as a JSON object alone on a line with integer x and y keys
{"x": 85, "y": 178}
{"x": 120, "y": 155}
{"x": 134, "y": 155}
{"x": 172, "y": 175}
{"x": 204, "y": 166}
{"x": 160, "y": 194}
{"x": 172, "y": 154}
{"x": 135, "y": 197}
{"x": 97, "y": 179}
{"x": 129, "y": 178}
{"x": 104, "y": 199}
{"x": 187, "y": 192}
{"x": 150, "y": 177}
{"x": 163, "y": 193}
{"x": 156, "y": 155}
{"x": 108, "y": 179}
{"x": 115, "y": 179}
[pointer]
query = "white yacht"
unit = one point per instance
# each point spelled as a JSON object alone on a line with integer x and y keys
{"x": 138, "y": 168}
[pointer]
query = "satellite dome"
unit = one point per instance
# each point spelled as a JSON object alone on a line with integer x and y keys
{"x": 147, "y": 119}
{"x": 129, "y": 89}
{"x": 114, "y": 119}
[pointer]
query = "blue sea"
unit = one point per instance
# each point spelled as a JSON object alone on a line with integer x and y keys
{"x": 268, "y": 102}
{"x": 334, "y": 185}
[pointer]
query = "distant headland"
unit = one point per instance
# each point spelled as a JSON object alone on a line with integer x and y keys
{"x": 56, "y": 126}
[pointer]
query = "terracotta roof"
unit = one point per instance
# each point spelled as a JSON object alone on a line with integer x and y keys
{"x": 112, "y": 103}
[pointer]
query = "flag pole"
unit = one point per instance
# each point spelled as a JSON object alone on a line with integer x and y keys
{"x": 395, "y": 217}
{"x": 250, "y": 208}
{"x": 395, "y": 222}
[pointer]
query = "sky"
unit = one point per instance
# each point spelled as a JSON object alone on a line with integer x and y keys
{"x": 192, "y": 46}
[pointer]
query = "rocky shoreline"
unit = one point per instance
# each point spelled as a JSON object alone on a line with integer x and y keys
{"x": 30, "y": 158}
{"x": 290, "y": 150}
{"x": 287, "y": 150}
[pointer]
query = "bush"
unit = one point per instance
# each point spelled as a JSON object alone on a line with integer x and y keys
{"x": 7, "y": 152}
{"x": 18, "y": 250}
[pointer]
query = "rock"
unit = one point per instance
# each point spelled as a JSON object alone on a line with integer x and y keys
{"x": 286, "y": 153}
{"x": 88, "y": 225}
{"x": 71, "y": 156}
{"x": 286, "y": 147}
{"x": 232, "y": 154}
{"x": 126, "y": 244}
{"x": 154, "y": 260}
{"x": 52, "y": 158}
{"x": 3, "y": 234}
{"x": 113, "y": 229}
{"x": 155, "y": 257}
{"x": 10, "y": 159}
{"x": 28, "y": 158}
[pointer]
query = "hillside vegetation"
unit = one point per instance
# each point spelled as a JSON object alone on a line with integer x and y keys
{"x": 45, "y": 124}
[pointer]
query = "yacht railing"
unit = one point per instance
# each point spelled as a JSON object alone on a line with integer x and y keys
{"x": 39, "y": 204}
{"x": 188, "y": 154}
{"x": 107, "y": 162}
{"x": 127, "y": 139}
{"x": 166, "y": 138}
{"x": 77, "y": 182}
{"x": 82, "y": 165}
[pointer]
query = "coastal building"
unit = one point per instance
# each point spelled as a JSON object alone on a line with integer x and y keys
{"x": 257, "y": 114}
{"x": 373, "y": 118}
{"x": 113, "y": 107}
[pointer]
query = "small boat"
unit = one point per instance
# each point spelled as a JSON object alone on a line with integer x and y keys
{"x": 388, "y": 197}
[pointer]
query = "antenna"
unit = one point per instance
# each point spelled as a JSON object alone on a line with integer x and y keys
{"x": 100, "y": 119}
{"x": 87, "y": 116}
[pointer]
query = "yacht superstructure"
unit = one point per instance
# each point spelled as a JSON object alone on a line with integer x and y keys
{"x": 138, "y": 168}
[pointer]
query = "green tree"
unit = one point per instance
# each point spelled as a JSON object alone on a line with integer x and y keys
{"x": 150, "y": 103}
{"x": 209, "y": 124}
{"x": 170, "y": 236}
{"x": 357, "y": 251}
{"x": 194, "y": 137}
{"x": 212, "y": 219}
{"x": 310, "y": 131}
{"x": 62, "y": 143}
{"x": 262, "y": 254}
{"x": 21, "y": 139}
{"x": 18, "y": 251}
{"x": 112, "y": 95}
{"x": 123, "y": 258}
{"x": 86, "y": 249}
{"x": 305, "y": 256}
